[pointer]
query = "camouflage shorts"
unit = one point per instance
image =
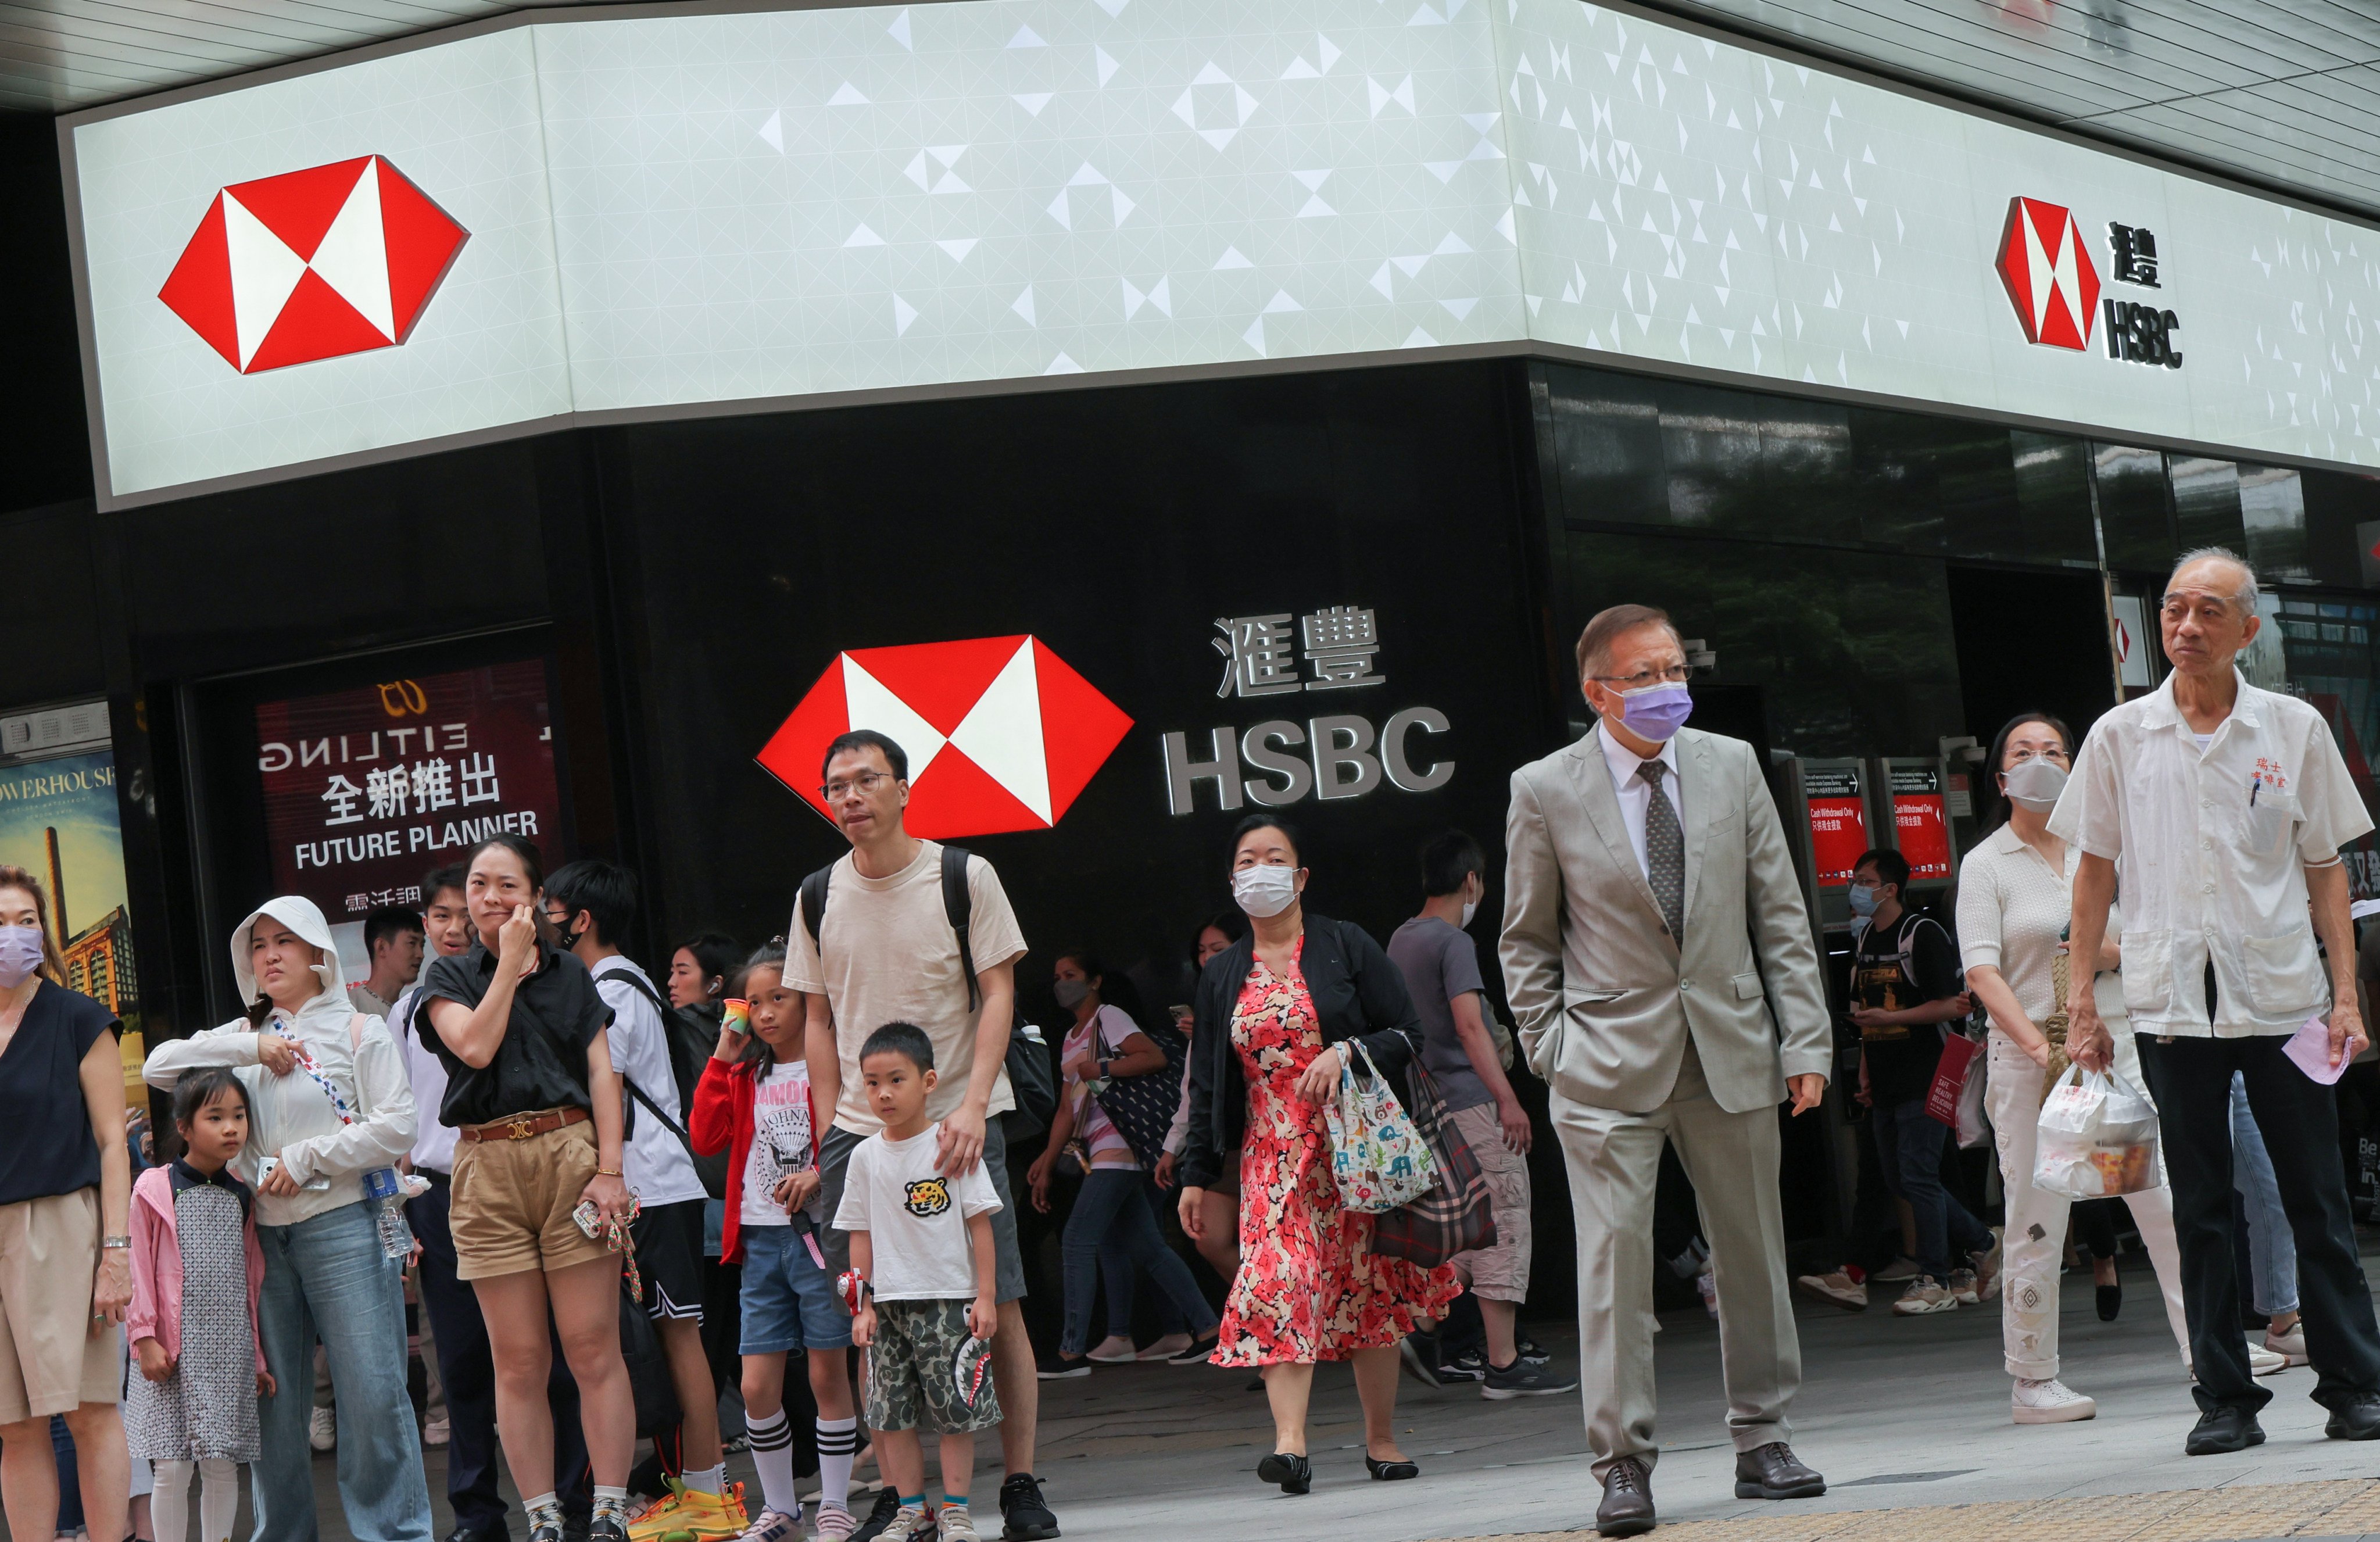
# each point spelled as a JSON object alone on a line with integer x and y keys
{"x": 912, "y": 1378}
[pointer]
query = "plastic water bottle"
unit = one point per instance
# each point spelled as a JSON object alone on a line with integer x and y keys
{"x": 381, "y": 1189}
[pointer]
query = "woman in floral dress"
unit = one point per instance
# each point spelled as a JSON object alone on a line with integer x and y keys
{"x": 1274, "y": 1014}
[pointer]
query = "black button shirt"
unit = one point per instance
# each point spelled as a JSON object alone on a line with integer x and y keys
{"x": 541, "y": 1060}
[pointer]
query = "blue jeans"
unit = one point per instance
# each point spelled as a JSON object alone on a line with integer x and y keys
{"x": 327, "y": 1276}
{"x": 1114, "y": 1230}
{"x": 2272, "y": 1248}
{"x": 1909, "y": 1148}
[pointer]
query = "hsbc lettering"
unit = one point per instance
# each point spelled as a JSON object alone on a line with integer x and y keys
{"x": 1329, "y": 756}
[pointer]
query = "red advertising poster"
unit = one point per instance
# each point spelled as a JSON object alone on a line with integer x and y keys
{"x": 365, "y": 790}
{"x": 1925, "y": 833}
{"x": 1838, "y": 837}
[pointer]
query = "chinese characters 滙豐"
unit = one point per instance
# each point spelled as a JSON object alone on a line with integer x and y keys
{"x": 2135, "y": 254}
{"x": 1261, "y": 656}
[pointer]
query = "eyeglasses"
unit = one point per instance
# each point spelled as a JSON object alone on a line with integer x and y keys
{"x": 865, "y": 782}
{"x": 1676, "y": 674}
{"x": 2020, "y": 757}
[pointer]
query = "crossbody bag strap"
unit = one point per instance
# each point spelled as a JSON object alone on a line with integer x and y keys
{"x": 634, "y": 983}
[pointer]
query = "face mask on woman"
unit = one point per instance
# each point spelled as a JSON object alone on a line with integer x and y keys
{"x": 21, "y": 955}
{"x": 2035, "y": 783}
{"x": 1265, "y": 890}
{"x": 1071, "y": 993}
{"x": 1656, "y": 712}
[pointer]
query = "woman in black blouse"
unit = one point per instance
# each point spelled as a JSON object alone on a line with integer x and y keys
{"x": 536, "y": 1105}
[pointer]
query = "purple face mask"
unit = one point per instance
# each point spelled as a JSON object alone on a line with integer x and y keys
{"x": 1656, "y": 712}
{"x": 21, "y": 955}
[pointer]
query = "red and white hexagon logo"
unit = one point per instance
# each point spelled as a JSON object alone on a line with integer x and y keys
{"x": 999, "y": 733}
{"x": 313, "y": 264}
{"x": 2045, "y": 264}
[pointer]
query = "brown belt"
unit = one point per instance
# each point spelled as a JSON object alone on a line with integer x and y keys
{"x": 522, "y": 1126}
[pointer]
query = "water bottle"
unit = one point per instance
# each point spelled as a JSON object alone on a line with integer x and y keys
{"x": 380, "y": 1188}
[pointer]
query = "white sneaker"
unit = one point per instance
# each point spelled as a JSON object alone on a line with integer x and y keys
{"x": 1963, "y": 1285}
{"x": 2048, "y": 1402}
{"x": 2289, "y": 1346}
{"x": 322, "y": 1429}
{"x": 1838, "y": 1287}
{"x": 2263, "y": 1362}
{"x": 1900, "y": 1268}
{"x": 1165, "y": 1348}
{"x": 1923, "y": 1298}
{"x": 1706, "y": 1286}
{"x": 1116, "y": 1349}
{"x": 435, "y": 1433}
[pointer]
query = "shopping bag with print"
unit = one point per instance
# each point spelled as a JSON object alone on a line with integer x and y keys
{"x": 1456, "y": 1216}
{"x": 1378, "y": 1156}
{"x": 2098, "y": 1138}
{"x": 1950, "y": 1072}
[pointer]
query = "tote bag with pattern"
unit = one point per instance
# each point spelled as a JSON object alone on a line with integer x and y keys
{"x": 1378, "y": 1155}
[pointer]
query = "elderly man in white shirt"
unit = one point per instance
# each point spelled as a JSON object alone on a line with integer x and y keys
{"x": 2224, "y": 806}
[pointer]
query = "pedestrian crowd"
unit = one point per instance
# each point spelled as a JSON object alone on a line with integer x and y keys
{"x": 613, "y": 1200}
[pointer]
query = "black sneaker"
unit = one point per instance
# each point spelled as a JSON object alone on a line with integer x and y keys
{"x": 1197, "y": 1355}
{"x": 888, "y": 1506}
{"x": 1469, "y": 1365}
{"x": 1025, "y": 1515}
{"x": 1529, "y": 1350}
{"x": 1054, "y": 1367}
{"x": 1420, "y": 1352}
{"x": 545, "y": 1526}
{"x": 1522, "y": 1379}
{"x": 607, "y": 1526}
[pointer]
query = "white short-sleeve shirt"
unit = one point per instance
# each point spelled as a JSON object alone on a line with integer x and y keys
{"x": 2211, "y": 848}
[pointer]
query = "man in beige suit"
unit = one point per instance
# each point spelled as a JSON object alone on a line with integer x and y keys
{"x": 1651, "y": 920}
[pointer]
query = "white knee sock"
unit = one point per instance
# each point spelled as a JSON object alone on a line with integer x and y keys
{"x": 838, "y": 1444}
{"x": 772, "y": 1452}
{"x": 169, "y": 1501}
{"x": 218, "y": 1499}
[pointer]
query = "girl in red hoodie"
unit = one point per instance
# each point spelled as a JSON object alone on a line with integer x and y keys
{"x": 753, "y": 1103}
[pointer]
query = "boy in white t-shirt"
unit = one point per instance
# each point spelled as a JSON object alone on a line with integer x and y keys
{"x": 923, "y": 1270}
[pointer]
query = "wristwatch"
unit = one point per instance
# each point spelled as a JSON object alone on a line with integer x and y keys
{"x": 114, "y": 1241}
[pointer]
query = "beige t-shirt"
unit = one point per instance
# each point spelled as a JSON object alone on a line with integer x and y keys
{"x": 889, "y": 955}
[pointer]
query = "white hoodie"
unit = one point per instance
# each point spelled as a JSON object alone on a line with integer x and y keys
{"x": 291, "y": 1115}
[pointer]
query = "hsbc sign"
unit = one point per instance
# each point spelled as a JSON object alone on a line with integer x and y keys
{"x": 2045, "y": 264}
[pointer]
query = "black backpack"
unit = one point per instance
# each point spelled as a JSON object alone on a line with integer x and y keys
{"x": 683, "y": 1030}
{"x": 1030, "y": 1074}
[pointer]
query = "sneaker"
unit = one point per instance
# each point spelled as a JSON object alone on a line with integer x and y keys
{"x": 436, "y": 1432}
{"x": 2048, "y": 1402}
{"x": 1520, "y": 1380}
{"x": 1054, "y": 1367}
{"x": 1838, "y": 1287}
{"x": 833, "y": 1523}
{"x": 888, "y": 1505}
{"x": 775, "y": 1525}
{"x": 909, "y": 1523}
{"x": 1963, "y": 1284}
{"x": 2263, "y": 1362}
{"x": 1706, "y": 1286}
{"x": 1198, "y": 1352}
{"x": 1116, "y": 1349}
{"x": 1420, "y": 1353}
{"x": 956, "y": 1525}
{"x": 1987, "y": 1270}
{"x": 2289, "y": 1346}
{"x": 1901, "y": 1268}
{"x": 1923, "y": 1298}
{"x": 1529, "y": 1348}
{"x": 1165, "y": 1348}
{"x": 322, "y": 1429}
{"x": 1469, "y": 1365}
{"x": 1025, "y": 1515}
{"x": 690, "y": 1515}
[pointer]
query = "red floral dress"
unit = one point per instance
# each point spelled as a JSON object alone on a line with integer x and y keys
{"x": 1309, "y": 1287}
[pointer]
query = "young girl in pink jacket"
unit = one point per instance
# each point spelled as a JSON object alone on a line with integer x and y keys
{"x": 196, "y": 1274}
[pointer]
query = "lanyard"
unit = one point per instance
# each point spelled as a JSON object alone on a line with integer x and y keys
{"x": 306, "y": 1063}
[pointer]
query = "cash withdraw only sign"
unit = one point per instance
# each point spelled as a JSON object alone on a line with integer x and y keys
{"x": 635, "y": 218}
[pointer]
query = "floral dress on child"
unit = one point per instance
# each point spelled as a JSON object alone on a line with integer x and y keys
{"x": 1309, "y": 1287}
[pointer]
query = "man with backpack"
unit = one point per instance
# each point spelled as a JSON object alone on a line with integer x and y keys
{"x": 1904, "y": 986}
{"x": 591, "y": 904}
{"x": 900, "y": 929}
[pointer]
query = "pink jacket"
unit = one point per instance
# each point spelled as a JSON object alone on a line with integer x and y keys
{"x": 156, "y": 1309}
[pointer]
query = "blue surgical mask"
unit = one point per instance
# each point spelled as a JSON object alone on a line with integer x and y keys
{"x": 1863, "y": 898}
{"x": 1656, "y": 712}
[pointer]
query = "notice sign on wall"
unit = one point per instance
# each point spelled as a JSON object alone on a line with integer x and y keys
{"x": 1919, "y": 826}
{"x": 1837, "y": 821}
{"x": 365, "y": 790}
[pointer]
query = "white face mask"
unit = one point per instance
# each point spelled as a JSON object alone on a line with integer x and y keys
{"x": 1265, "y": 890}
{"x": 1470, "y": 908}
{"x": 2035, "y": 783}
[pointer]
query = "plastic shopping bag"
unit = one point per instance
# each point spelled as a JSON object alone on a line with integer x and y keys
{"x": 1378, "y": 1156}
{"x": 2098, "y": 1138}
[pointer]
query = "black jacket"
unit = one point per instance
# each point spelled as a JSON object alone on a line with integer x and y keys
{"x": 1357, "y": 994}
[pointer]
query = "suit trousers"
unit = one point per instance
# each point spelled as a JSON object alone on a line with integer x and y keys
{"x": 2190, "y": 1079}
{"x": 1615, "y": 1160}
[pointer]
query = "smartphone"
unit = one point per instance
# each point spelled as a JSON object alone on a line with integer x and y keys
{"x": 735, "y": 1015}
{"x": 264, "y": 1169}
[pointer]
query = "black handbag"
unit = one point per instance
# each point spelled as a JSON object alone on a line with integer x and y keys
{"x": 1142, "y": 1107}
{"x": 649, "y": 1369}
{"x": 1458, "y": 1215}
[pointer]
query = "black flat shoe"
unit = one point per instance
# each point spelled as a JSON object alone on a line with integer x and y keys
{"x": 1290, "y": 1469}
{"x": 1389, "y": 1472}
{"x": 2111, "y": 1301}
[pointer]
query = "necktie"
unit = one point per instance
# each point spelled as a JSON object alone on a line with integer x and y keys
{"x": 1665, "y": 852}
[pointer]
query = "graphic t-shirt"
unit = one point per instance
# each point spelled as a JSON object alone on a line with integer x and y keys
{"x": 1439, "y": 963}
{"x": 916, "y": 1218}
{"x": 1901, "y": 1059}
{"x": 780, "y": 1141}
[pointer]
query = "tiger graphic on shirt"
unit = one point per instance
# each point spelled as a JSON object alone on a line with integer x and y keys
{"x": 928, "y": 1197}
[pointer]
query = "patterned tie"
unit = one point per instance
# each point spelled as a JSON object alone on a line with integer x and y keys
{"x": 1665, "y": 852}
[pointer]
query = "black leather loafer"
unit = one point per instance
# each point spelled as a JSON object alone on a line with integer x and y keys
{"x": 1627, "y": 1507}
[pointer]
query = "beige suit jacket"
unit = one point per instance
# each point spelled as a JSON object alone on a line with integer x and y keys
{"x": 1603, "y": 998}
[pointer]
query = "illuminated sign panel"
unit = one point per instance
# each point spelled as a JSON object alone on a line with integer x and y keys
{"x": 769, "y": 208}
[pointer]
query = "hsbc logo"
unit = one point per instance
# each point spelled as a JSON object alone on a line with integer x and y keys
{"x": 1002, "y": 734}
{"x": 2044, "y": 263}
{"x": 313, "y": 264}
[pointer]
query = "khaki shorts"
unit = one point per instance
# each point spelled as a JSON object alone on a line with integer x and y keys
{"x": 513, "y": 1199}
{"x": 1501, "y": 1272}
{"x": 49, "y": 1361}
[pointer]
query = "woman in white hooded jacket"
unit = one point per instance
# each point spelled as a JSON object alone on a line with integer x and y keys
{"x": 330, "y": 1099}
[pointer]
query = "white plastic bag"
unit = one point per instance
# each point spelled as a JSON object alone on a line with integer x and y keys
{"x": 2098, "y": 1138}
